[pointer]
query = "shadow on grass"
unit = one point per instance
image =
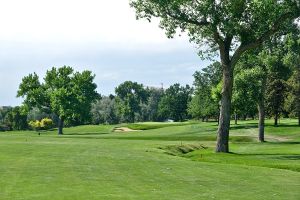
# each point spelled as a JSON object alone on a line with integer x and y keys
{"x": 95, "y": 133}
{"x": 282, "y": 125}
{"x": 289, "y": 157}
{"x": 281, "y": 142}
{"x": 238, "y": 127}
{"x": 94, "y": 136}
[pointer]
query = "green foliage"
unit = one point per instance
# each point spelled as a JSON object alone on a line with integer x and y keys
{"x": 246, "y": 89}
{"x": 130, "y": 96}
{"x": 104, "y": 111}
{"x": 47, "y": 123}
{"x": 292, "y": 103}
{"x": 35, "y": 125}
{"x": 208, "y": 21}
{"x": 174, "y": 103}
{"x": 205, "y": 102}
{"x": 66, "y": 93}
{"x": 278, "y": 74}
{"x": 16, "y": 119}
{"x": 150, "y": 109}
{"x": 44, "y": 124}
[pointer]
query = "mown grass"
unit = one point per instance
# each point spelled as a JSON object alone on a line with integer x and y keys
{"x": 156, "y": 125}
{"x": 92, "y": 162}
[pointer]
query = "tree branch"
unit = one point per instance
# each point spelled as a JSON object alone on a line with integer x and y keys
{"x": 251, "y": 45}
{"x": 183, "y": 17}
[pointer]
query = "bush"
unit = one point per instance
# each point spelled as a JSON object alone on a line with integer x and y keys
{"x": 47, "y": 123}
{"x": 44, "y": 124}
{"x": 5, "y": 128}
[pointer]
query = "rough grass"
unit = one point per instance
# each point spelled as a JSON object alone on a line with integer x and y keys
{"x": 92, "y": 162}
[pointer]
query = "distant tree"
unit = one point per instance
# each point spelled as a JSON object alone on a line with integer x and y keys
{"x": 292, "y": 103}
{"x": 203, "y": 105}
{"x": 246, "y": 90}
{"x": 17, "y": 118}
{"x": 175, "y": 102}
{"x": 37, "y": 114}
{"x": 129, "y": 97}
{"x": 149, "y": 110}
{"x": 3, "y": 113}
{"x": 66, "y": 93}
{"x": 278, "y": 75}
{"x": 104, "y": 111}
{"x": 227, "y": 28}
{"x": 250, "y": 86}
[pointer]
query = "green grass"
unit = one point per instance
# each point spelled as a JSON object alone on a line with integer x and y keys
{"x": 162, "y": 162}
{"x": 156, "y": 125}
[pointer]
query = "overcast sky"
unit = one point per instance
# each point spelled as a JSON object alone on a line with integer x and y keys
{"x": 99, "y": 35}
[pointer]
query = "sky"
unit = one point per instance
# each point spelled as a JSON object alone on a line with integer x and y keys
{"x": 98, "y": 35}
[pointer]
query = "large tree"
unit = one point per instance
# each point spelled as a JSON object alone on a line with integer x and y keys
{"x": 129, "y": 97}
{"x": 104, "y": 111}
{"x": 174, "y": 103}
{"x": 66, "y": 93}
{"x": 203, "y": 105}
{"x": 250, "y": 85}
{"x": 228, "y": 28}
{"x": 293, "y": 60}
{"x": 16, "y": 119}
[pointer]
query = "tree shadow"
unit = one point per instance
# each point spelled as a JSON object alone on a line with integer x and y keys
{"x": 283, "y": 142}
{"x": 90, "y": 133}
{"x": 247, "y": 126}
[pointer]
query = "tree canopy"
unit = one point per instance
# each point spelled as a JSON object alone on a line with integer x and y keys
{"x": 66, "y": 93}
{"x": 130, "y": 95}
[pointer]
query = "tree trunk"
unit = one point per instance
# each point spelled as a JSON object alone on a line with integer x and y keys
{"x": 60, "y": 126}
{"x": 261, "y": 124}
{"x": 224, "y": 122}
{"x": 261, "y": 107}
{"x": 235, "y": 119}
{"x": 276, "y": 120}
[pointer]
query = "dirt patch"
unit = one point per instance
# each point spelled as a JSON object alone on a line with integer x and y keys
{"x": 124, "y": 129}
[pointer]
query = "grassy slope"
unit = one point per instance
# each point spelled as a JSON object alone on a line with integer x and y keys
{"x": 91, "y": 162}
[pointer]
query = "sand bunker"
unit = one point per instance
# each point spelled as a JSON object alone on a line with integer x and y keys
{"x": 124, "y": 129}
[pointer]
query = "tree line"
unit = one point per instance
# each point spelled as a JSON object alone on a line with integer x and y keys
{"x": 266, "y": 85}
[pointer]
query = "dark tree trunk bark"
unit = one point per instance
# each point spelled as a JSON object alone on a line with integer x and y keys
{"x": 261, "y": 123}
{"x": 276, "y": 120}
{"x": 60, "y": 126}
{"x": 235, "y": 119}
{"x": 224, "y": 124}
{"x": 261, "y": 107}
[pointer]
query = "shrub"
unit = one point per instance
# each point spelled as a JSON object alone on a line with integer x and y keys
{"x": 47, "y": 123}
{"x": 44, "y": 124}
